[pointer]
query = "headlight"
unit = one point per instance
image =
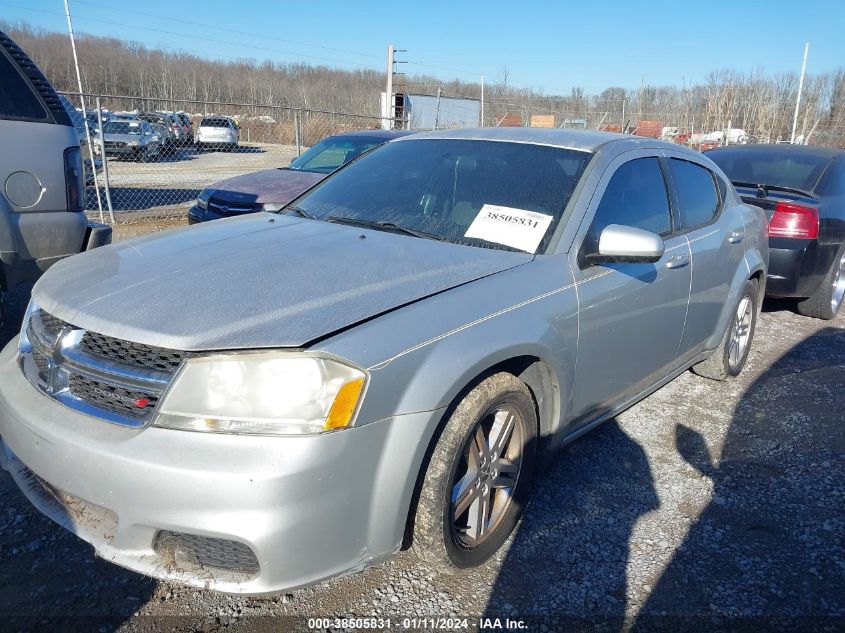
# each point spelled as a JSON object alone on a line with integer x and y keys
{"x": 202, "y": 199}
{"x": 273, "y": 206}
{"x": 133, "y": 143}
{"x": 272, "y": 393}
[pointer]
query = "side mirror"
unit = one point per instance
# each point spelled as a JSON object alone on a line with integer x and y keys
{"x": 629, "y": 244}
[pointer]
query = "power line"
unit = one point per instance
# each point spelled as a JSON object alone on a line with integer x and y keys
{"x": 227, "y": 30}
{"x": 196, "y": 37}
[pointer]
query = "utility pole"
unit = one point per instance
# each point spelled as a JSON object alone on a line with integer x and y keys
{"x": 437, "y": 110}
{"x": 84, "y": 118}
{"x": 389, "y": 113}
{"x": 388, "y": 91}
{"x": 800, "y": 88}
{"x": 482, "y": 100}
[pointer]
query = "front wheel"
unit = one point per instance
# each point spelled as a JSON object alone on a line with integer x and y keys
{"x": 827, "y": 299}
{"x": 477, "y": 483}
{"x": 729, "y": 358}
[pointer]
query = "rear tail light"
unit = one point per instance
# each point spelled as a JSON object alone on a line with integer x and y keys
{"x": 73, "y": 179}
{"x": 794, "y": 220}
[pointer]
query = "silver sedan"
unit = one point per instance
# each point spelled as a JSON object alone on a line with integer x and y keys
{"x": 264, "y": 402}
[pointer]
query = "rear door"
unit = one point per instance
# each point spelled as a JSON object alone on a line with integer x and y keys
{"x": 716, "y": 235}
{"x": 631, "y": 315}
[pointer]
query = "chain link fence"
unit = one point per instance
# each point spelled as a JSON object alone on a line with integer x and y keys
{"x": 147, "y": 160}
{"x": 154, "y": 161}
{"x": 699, "y": 130}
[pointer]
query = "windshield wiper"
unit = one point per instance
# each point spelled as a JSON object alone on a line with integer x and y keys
{"x": 764, "y": 188}
{"x": 384, "y": 226}
{"x": 297, "y": 211}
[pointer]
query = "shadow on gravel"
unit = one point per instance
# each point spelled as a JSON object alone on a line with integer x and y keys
{"x": 141, "y": 198}
{"x": 567, "y": 564}
{"x": 768, "y": 552}
{"x": 51, "y": 580}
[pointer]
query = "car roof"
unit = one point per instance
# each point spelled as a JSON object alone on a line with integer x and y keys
{"x": 583, "y": 140}
{"x": 385, "y": 134}
{"x": 806, "y": 150}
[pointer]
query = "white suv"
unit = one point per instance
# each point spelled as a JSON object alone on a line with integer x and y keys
{"x": 42, "y": 188}
{"x": 218, "y": 132}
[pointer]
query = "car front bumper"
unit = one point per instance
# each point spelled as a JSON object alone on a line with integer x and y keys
{"x": 197, "y": 215}
{"x": 308, "y": 508}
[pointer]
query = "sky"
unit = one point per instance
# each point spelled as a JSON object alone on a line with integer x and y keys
{"x": 550, "y": 46}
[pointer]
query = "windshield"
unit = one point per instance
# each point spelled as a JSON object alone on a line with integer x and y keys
{"x": 479, "y": 193}
{"x": 331, "y": 153}
{"x": 778, "y": 167}
{"x": 123, "y": 127}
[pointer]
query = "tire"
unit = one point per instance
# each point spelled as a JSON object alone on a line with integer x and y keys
{"x": 826, "y": 301}
{"x": 448, "y": 540}
{"x": 727, "y": 360}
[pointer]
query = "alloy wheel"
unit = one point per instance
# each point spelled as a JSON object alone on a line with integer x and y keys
{"x": 487, "y": 476}
{"x": 838, "y": 291}
{"x": 741, "y": 334}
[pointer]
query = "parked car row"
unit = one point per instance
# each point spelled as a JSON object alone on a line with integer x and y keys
{"x": 160, "y": 133}
{"x": 387, "y": 352}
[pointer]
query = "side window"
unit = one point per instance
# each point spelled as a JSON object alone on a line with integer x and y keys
{"x": 17, "y": 100}
{"x": 697, "y": 194}
{"x": 635, "y": 196}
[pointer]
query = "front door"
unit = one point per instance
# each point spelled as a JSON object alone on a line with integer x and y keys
{"x": 631, "y": 315}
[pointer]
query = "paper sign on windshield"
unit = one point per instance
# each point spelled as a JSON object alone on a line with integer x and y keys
{"x": 517, "y": 228}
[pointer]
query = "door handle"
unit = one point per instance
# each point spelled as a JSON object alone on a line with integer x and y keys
{"x": 736, "y": 237}
{"x": 677, "y": 261}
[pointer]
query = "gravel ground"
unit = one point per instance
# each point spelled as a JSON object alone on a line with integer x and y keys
{"x": 708, "y": 506}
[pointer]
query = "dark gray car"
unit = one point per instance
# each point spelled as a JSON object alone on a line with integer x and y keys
{"x": 263, "y": 402}
{"x": 129, "y": 138}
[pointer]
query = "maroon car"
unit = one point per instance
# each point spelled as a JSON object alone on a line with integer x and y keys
{"x": 272, "y": 189}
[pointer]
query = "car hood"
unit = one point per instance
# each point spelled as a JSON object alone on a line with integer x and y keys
{"x": 269, "y": 185}
{"x": 256, "y": 281}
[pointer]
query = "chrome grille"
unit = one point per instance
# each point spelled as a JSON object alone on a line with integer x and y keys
{"x": 51, "y": 324}
{"x": 43, "y": 364}
{"x": 118, "y": 381}
{"x": 133, "y": 403}
{"x": 204, "y": 551}
{"x": 134, "y": 354}
{"x": 225, "y": 207}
